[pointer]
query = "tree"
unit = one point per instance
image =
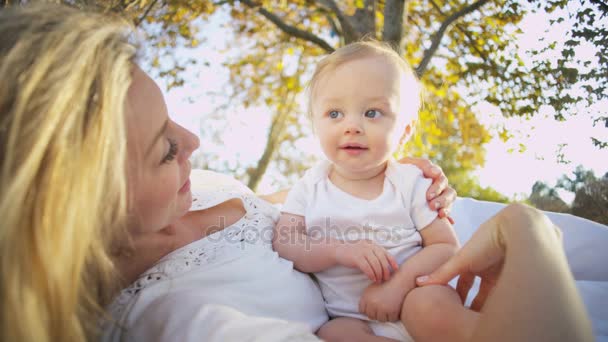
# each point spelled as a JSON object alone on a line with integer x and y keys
{"x": 581, "y": 176}
{"x": 463, "y": 51}
{"x": 591, "y": 200}
{"x": 591, "y": 195}
{"x": 575, "y": 77}
{"x": 546, "y": 198}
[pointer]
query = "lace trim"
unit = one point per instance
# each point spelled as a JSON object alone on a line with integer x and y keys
{"x": 253, "y": 230}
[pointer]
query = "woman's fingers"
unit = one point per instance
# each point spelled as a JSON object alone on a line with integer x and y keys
{"x": 446, "y": 272}
{"x": 429, "y": 170}
{"x": 438, "y": 187}
{"x": 482, "y": 295}
{"x": 465, "y": 282}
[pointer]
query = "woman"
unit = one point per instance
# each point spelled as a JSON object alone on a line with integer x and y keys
{"x": 76, "y": 117}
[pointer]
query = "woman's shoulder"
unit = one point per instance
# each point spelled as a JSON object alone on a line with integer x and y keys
{"x": 210, "y": 188}
{"x": 206, "y": 180}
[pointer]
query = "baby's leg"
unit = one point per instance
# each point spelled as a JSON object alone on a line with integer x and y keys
{"x": 348, "y": 329}
{"x": 435, "y": 313}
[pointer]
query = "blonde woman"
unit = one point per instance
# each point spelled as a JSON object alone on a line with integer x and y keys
{"x": 88, "y": 153}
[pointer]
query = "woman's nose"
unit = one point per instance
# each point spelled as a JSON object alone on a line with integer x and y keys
{"x": 190, "y": 142}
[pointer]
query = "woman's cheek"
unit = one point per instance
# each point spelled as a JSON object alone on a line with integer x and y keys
{"x": 156, "y": 204}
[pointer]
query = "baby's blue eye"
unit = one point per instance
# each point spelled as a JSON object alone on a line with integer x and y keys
{"x": 372, "y": 114}
{"x": 334, "y": 114}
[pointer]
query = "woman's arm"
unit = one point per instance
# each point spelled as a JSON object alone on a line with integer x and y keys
{"x": 527, "y": 291}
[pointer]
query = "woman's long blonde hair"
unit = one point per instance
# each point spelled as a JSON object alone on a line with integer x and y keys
{"x": 64, "y": 76}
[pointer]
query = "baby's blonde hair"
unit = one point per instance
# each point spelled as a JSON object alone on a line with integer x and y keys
{"x": 64, "y": 76}
{"x": 364, "y": 49}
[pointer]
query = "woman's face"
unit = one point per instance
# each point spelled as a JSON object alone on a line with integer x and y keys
{"x": 158, "y": 152}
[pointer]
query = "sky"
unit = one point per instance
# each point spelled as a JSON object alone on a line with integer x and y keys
{"x": 511, "y": 173}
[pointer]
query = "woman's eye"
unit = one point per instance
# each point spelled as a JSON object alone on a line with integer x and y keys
{"x": 372, "y": 114}
{"x": 173, "y": 148}
{"x": 334, "y": 114}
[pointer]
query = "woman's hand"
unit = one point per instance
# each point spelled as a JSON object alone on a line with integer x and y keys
{"x": 484, "y": 254}
{"x": 440, "y": 195}
{"x": 382, "y": 302}
{"x": 373, "y": 260}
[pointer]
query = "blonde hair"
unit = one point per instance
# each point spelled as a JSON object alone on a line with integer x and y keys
{"x": 64, "y": 76}
{"x": 364, "y": 49}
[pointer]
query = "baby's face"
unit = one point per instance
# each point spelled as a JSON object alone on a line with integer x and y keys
{"x": 356, "y": 113}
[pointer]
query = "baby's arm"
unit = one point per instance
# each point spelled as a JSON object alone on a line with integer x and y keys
{"x": 439, "y": 243}
{"x": 383, "y": 302}
{"x": 314, "y": 254}
{"x": 307, "y": 254}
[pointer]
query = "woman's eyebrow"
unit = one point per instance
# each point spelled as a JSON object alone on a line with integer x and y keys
{"x": 158, "y": 135}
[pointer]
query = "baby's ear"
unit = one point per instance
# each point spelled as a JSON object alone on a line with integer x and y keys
{"x": 407, "y": 132}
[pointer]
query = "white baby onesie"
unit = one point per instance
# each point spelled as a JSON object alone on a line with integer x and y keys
{"x": 391, "y": 220}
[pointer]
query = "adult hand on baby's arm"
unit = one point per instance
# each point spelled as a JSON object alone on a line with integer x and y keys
{"x": 382, "y": 302}
{"x": 373, "y": 260}
{"x": 439, "y": 195}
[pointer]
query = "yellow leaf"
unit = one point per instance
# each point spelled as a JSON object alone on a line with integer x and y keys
{"x": 359, "y": 3}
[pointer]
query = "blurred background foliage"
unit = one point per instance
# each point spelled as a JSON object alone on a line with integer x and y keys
{"x": 464, "y": 52}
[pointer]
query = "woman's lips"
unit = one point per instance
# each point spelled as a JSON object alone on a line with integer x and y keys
{"x": 185, "y": 187}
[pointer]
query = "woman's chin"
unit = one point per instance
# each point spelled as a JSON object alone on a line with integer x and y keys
{"x": 187, "y": 203}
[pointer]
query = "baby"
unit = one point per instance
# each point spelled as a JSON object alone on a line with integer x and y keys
{"x": 360, "y": 221}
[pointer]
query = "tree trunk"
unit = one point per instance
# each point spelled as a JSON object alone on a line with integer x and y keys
{"x": 275, "y": 138}
{"x": 393, "y": 23}
{"x": 363, "y": 21}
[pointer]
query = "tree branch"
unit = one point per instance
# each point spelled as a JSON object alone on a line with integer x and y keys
{"x": 436, "y": 40}
{"x": 290, "y": 30}
{"x": 348, "y": 31}
{"x": 327, "y": 13}
{"x": 470, "y": 38}
{"x": 143, "y": 17}
{"x": 393, "y": 23}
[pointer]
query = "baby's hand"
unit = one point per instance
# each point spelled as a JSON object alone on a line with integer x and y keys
{"x": 367, "y": 256}
{"x": 382, "y": 302}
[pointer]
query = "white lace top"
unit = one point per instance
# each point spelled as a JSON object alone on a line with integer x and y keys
{"x": 206, "y": 288}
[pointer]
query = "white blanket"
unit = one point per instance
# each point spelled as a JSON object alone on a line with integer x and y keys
{"x": 585, "y": 243}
